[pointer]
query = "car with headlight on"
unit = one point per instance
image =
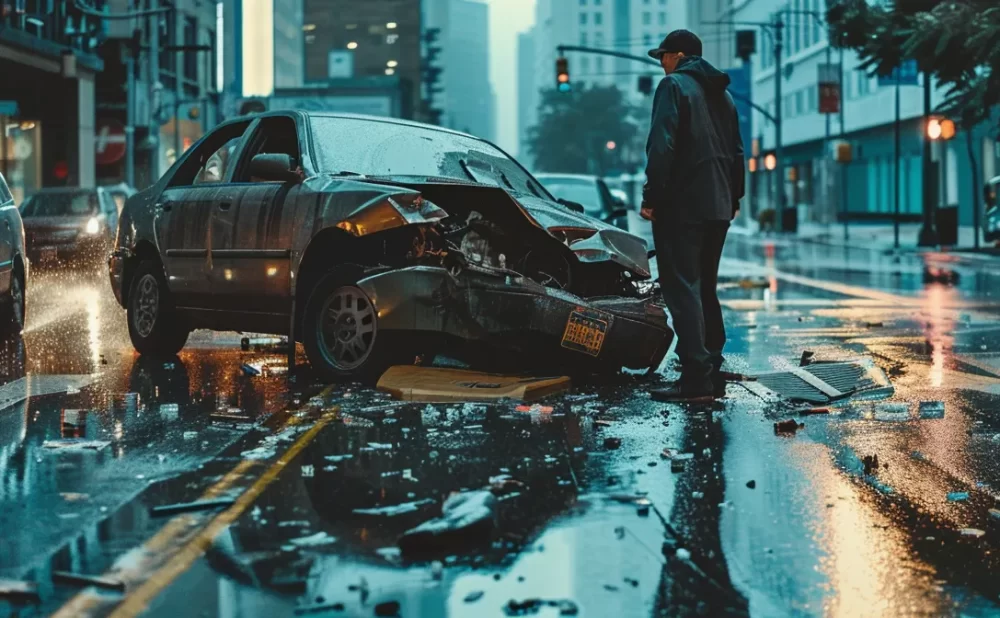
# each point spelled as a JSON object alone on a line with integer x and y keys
{"x": 377, "y": 241}
{"x": 69, "y": 226}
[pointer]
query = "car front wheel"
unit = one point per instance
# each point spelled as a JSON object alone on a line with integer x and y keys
{"x": 14, "y": 318}
{"x": 153, "y": 324}
{"x": 341, "y": 334}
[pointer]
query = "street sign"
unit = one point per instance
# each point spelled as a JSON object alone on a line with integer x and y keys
{"x": 8, "y": 108}
{"x": 909, "y": 75}
{"x": 828, "y": 82}
{"x": 109, "y": 141}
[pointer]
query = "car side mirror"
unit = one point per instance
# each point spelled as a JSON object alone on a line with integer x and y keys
{"x": 274, "y": 167}
{"x": 574, "y": 206}
{"x": 618, "y": 213}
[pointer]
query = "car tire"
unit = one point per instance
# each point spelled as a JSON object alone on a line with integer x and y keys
{"x": 13, "y": 318}
{"x": 153, "y": 324}
{"x": 341, "y": 336}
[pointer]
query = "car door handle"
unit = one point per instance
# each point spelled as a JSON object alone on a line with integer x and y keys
{"x": 225, "y": 205}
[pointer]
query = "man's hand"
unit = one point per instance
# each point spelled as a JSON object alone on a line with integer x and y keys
{"x": 647, "y": 213}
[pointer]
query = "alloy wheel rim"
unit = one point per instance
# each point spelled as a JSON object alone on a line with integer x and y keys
{"x": 147, "y": 305}
{"x": 348, "y": 328}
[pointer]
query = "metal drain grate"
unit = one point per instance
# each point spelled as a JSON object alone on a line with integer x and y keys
{"x": 825, "y": 382}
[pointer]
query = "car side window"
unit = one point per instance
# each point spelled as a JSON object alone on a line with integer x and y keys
{"x": 190, "y": 171}
{"x": 274, "y": 135}
{"x": 215, "y": 168}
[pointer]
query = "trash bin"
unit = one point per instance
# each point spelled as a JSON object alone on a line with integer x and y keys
{"x": 790, "y": 220}
{"x": 947, "y": 226}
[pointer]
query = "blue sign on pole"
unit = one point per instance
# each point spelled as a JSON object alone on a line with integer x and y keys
{"x": 907, "y": 75}
{"x": 739, "y": 87}
{"x": 8, "y": 108}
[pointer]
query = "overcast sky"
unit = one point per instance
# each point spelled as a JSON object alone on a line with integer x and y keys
{"x": 507, "y": 19}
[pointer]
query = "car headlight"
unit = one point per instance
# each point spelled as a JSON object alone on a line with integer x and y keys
{"x": 93, "y": 226}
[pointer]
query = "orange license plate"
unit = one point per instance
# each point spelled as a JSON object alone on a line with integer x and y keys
{"x": 585, "y": 331}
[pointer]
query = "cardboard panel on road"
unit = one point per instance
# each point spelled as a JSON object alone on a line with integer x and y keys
{"x": 443, "y": 385}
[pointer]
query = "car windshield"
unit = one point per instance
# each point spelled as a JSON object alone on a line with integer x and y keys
{"x": 580, "y": 190}
{"x": 60, "y": 204}
{"x": 391, "y": 149}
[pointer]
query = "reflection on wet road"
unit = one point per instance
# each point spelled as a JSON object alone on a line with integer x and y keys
{"x": 602, "y": 502}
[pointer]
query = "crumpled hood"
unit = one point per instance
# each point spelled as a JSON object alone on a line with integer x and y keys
{"x": 608, "y": 244}
{"x": 711, "y": 78}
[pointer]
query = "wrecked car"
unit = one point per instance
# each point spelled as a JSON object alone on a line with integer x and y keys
{"x": 377, "y": 241}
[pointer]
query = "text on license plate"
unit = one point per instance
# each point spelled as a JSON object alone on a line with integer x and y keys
{"x": 585, "y": 332}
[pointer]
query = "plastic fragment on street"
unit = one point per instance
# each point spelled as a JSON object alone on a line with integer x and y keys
{"x": 958, "y": 496}
{"x": 395, "y": 509}
{"x": 534, "y": 409}
{"x": 787, "y": 427}
{"x": 973, "y": 532}
{"x": 338, "y": 458}
{"x": 82, "y": 580}
{"x": 994, "y": 513}
{"x": 76, "y": 445}
{"x": 931, "y": 409}
{"x": 187, "y": 507}
{"x": 466, "y": 518}
{"x": 314, "y": 540}
{"x": 445, "y": 385}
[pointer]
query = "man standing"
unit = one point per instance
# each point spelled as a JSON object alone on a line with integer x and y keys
{"x": 694, "y": 182}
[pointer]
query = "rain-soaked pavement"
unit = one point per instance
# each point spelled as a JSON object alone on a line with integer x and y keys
{"x": 606, "y": 504}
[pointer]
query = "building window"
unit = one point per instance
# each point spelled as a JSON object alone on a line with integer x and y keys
{"x": 799, "y": 103}
{"x": 583, "y": 39}
{"x": 168, "y": 60}
{"x": 583, "y": 2}
{"x": 598, "y": 39}
{"x": 600, "y": 63}
{"x": 585, "y": 66}
{"x": 662, "y": 18}
{"x": 598, "y": 19}
{"x": 191, "y": 56}
{"x": 583, "y": 19}
{"x": 647, "y": 18}
{"x": 663, "y": 2}
{"x": 597, "y": 2}
{"x": 813, "y": 99}
{"x": 645, "y": 1}
{"x": 647, "y": 39}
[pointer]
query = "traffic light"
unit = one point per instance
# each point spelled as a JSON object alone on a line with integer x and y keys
{"x": 746, "y": 44}
{"x": 646, "y": 84}
{"x": 562, "y": 75}
{"x": 940, "y": 129}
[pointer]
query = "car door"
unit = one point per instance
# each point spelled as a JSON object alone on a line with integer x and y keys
{"x": 251, "y": 254}
{"x": 184, "y": 214}
{"x": 6, "y": 236}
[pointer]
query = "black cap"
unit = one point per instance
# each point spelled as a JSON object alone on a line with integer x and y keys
{"x": 678, "y": 41}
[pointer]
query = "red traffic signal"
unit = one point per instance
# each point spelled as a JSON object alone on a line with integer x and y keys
{"x": 562, "y": 74}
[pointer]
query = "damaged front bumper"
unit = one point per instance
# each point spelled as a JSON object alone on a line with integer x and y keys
{"x": 516, "y": 313}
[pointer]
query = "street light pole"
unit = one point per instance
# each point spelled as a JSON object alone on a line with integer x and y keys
{"x": 155, "y": 88}
{"x": 780, "y": 166}
{"x": 928, "y": 233}
{"x": 843, "y": 165}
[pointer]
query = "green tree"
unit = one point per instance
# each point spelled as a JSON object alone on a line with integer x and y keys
{"x": 574, "y": 129}
{"x": 955, "y": 41}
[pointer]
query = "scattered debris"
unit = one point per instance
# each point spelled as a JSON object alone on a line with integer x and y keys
{"x": 874, "y": 325}
{"x": 234, "y": 417}
{"x": 973, "y": 532}
{"x": 891, "y": 411}
{"x": 338, "y": 458}
{"x": 395, "y": 509}
{"x": 697, "y": 495}
{"x": 994, "y": 513}
{"x": 466, "y": 518}
{"x": 535, "y": 409}
{"x": 186, "y": 507}
{"x": 811, "y": 411}
{"x": 70, "y": 496}
{"x": 612, "y": 443}
{"x": 787, "y": 427}
{"x": 437, "y": 570}
{"x": 806, "y": 358}
{"x": 316, "y": 609}
{"x": 314, "y": 540}
{"x": 76, "y": 445}
{"x": 602, "y": 423}
{"x": 642, "y": 506}
{"x": 958, "y": 496}
{"x": 474, "y": 596}
{"x": 79, "y": 579}
{"x": 752, "y": 484}
{"x": 931, "y": 409}
{"x": 308, "y": 471}
{"x": 870, "y": 463}
{"x": 15, "y": 590}
{"x": 249, "y": 370}
{"x": 440, "y": 384}
{"x": 378, "y": 446}
{"x": 388, "y": 608}
{"x": 190, "y": 435}
{"x": 678, "y": 465}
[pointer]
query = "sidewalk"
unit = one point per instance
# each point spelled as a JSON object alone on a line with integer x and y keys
{"x": 880, "y": 237}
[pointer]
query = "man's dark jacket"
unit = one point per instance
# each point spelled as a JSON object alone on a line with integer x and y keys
{"x": 695, "y": 154}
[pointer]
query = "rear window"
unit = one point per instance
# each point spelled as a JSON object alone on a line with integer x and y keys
{"x": 62, "y": 204}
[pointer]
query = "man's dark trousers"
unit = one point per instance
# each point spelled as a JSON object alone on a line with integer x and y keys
{"x": 687, "y": 257}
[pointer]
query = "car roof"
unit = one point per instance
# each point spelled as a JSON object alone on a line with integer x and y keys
{"x": 568, "y": 176}
{"x": 347, "y": 116}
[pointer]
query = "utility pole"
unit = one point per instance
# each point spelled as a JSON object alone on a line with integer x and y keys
{"x": 155, "y": 88}
{"x": 928, "y": 233}
{"x": 843, "y": 166}
{"x": 133, "y": 54}
{"x": 780, "y": 167}
{"x": 898, "y": 131}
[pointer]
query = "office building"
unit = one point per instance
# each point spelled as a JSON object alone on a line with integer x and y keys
{"x": 527, "y": 94}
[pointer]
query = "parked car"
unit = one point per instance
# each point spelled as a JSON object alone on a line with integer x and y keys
{"x": 13, "y": 264}
{"x": 415, "y": 240}
{"x": 591, "y": 191}
{"x": 69, "y": 225}
{"x": 991, "y": 220}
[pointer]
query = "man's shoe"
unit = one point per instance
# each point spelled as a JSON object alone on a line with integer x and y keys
{"x": 681, "y": 394}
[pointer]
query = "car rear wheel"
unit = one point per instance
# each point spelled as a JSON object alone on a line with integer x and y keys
{"x": 153, "y": 324}
{"x": 341, "y": 334}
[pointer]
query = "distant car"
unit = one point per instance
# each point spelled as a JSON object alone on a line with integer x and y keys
{"x": 410, "y": 242}
{"x": 69, "y": 225}
{"x": 991, "y": 221}
{"x": 120, "y": 193}
{"x": 592, "y": 192}
{"x": 13, "y": 265}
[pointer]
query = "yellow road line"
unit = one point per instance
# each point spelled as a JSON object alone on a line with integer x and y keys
{"x": 137, "y": 601}
{"x": 84, "y": 603}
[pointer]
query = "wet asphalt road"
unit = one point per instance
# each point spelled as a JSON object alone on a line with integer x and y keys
{"x": 817, "y": 534}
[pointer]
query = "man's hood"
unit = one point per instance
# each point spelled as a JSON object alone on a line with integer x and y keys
{"x": 711, "y": 78}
